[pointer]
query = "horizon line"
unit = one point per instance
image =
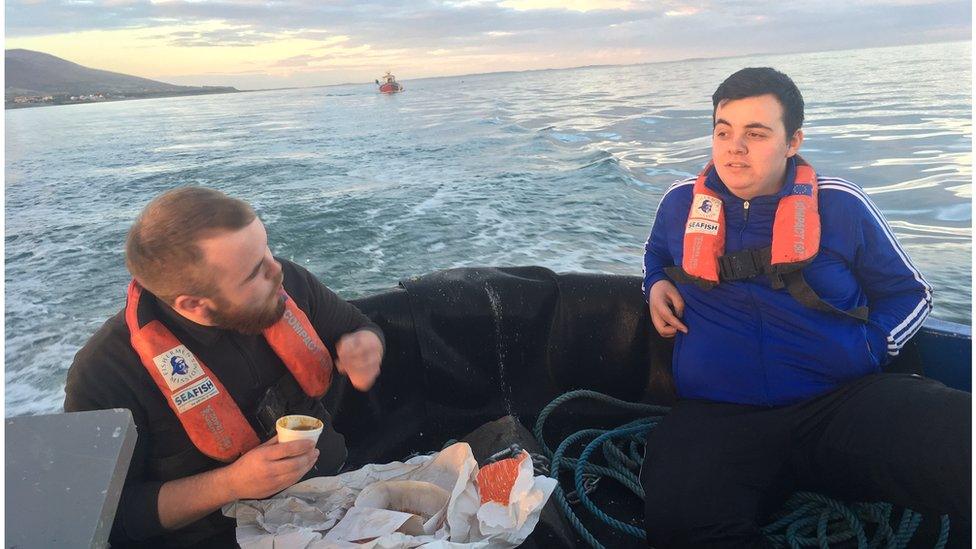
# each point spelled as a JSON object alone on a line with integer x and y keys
{"x": 610, "y": 65}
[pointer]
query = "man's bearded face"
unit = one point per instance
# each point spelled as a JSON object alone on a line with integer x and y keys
{"x": 250, "y": 319}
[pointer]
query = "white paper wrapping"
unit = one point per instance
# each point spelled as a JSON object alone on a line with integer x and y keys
{"x": 314, "y": 514}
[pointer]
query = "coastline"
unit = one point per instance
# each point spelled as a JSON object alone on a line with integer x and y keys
{"x": 10, "y": 105}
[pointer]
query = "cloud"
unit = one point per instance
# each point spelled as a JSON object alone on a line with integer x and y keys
{"x": 372, "y": 20}
{"x": 227, "y": 37}
{"x": 682, "y": 12}
{"x": 297, "y": 61}
{"x": 570, "y": 5}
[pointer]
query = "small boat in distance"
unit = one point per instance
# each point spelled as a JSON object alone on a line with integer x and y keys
{"x": 389, "y": 84}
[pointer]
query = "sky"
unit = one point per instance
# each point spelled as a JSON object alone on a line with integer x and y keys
{"x": 252, "y": 44}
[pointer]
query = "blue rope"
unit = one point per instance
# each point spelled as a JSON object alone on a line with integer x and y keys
{"x": 578, "y": 479}
{"x": 909, "y": 522}
{"x": 806, "y": 520}
{"x": 845, "y": 522}
{"x": 556, "y": 460}
{"x": 943, "y": 533}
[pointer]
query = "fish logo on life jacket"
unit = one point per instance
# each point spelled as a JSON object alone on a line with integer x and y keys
{"x": 178, "y": 366}
{"x": 706, "y": 207}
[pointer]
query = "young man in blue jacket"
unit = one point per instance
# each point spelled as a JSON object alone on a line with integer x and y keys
{"x": 786, "y": 292}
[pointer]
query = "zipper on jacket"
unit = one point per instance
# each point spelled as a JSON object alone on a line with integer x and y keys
{"x": 745, "y": 219}
{"x": 759, "y": 315}
{"x": 760, "y": 321}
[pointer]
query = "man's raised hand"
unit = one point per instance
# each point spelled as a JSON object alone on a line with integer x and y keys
{"x": 359, "y": 357}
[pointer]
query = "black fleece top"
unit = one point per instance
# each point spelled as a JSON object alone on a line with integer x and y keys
{"x": 107, "y": 373}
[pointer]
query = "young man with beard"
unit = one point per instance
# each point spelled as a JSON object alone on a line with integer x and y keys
{"x": 217, "y": 339}
{"x": 786, "y": 292}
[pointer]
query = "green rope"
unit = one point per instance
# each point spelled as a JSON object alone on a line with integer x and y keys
{"x": 844, "y": 522}
{"x": 806, "y": 520}
{"x": 578, "y": 479}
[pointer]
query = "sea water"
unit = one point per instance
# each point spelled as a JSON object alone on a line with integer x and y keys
{"x": 559, "y": 168}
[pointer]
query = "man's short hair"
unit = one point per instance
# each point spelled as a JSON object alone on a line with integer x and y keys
{"x": 755, "y": 81}
{"x": 162, "y": 250}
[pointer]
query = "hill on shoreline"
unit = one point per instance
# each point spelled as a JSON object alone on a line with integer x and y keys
{"x": 32, "y": 76}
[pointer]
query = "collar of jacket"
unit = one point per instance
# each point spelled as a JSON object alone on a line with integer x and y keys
{"x": 761, "y": 208}
{"x": 207, "y": 335}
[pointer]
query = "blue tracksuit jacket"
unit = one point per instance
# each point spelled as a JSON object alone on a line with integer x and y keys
{"x": 750, "y": 344}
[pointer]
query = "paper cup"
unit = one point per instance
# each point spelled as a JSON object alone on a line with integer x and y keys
{"x": 298, "y": 427}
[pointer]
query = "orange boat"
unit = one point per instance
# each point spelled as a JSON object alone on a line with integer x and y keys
{"x": 389, "y": 84}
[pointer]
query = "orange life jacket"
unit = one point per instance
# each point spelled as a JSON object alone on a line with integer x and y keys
{"x": 211, "y": 418}
{"x": 796, "y": 228}
{"x": 796, "y": 241}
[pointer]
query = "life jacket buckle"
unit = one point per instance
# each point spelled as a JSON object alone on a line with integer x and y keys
{"x": 743, "y": 264}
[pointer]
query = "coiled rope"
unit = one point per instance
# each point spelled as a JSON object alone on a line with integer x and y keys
{"x": 807, "y": 519}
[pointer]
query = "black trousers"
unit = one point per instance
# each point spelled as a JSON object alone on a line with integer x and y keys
{"x": 714, "y": 472}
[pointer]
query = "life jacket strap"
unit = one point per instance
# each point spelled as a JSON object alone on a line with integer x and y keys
{"x": 679, "y": 275}
{"x": 753, "y": 262}
{"x": 802, "y": 292}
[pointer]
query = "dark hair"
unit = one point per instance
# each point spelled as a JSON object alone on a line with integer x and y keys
{"x": 161, "y": 250}
{"x": 755, "y": 81}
